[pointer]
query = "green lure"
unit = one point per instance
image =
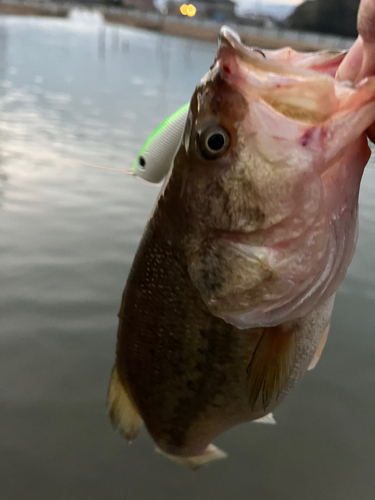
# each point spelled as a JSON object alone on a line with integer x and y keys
{"x": 156, "y": 155}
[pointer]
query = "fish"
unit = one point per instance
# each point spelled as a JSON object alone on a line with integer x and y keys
{"x": 229, "y": 299}
{"x": 156, "y": 155}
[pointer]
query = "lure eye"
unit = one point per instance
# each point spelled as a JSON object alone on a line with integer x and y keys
{"x": 214, "y": 142}
{"x": 142, "y": 163}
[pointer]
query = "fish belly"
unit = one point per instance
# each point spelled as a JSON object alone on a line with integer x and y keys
{"x": 185, "y": 371}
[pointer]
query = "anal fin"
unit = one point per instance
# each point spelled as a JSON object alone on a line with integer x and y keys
{"x": 211, "y": 453}
{"x": 319, "y": 349}
{"x": 123, "y": 413}
{"x": 271, "y": 365}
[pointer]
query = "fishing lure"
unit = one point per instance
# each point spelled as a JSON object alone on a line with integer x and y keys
{"x": 156, "y": 155}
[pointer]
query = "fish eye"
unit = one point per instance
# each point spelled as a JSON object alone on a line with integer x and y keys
{"x": 214, "y": 142}
{"x": 142, "y": 163}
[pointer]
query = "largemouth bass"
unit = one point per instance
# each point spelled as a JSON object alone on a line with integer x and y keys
{"x": 230, "y": 295}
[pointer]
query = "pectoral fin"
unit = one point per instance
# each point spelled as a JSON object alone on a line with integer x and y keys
{"x": 319, "y": 349}
{"x": 271, "y": 365}
{"x": 123, "y": 413}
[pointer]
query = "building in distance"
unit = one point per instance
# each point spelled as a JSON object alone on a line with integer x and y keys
{"x": 218, "y": 10}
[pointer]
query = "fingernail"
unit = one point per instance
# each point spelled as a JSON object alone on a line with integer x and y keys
{"x": 352, "y": 63}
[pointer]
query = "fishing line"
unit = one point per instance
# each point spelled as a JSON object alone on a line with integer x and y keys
{"x": 70, "y": 160}
{"x": 85, "y": 163}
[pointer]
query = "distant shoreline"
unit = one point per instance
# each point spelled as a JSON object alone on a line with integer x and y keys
{"x": 205, "y": 33}
{"x": 176, "y": 26}
{"x": 33, "y": 9}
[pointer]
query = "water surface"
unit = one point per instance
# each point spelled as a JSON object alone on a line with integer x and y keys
{"x": 93, "y": 93}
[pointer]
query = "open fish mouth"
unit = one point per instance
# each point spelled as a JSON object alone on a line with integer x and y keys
{"x": 295, "y": 88}
{"x": 238, "y": 59}
{"x": 229, "y": 38}
{"x": 284, "y": 62}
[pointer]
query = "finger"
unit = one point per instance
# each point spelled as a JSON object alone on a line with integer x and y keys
{"x": 368, "y": 63}
{"x": 366, "y": 20}
{"x": 352, "y": 63}
{"x": 366, "y": 29}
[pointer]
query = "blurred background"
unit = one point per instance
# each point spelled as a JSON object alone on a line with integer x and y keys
{"x": 82, "y": 87}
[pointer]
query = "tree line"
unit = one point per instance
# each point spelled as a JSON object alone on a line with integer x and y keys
{"x": 326, "y": 16}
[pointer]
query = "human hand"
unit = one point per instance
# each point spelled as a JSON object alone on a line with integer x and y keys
{"x": 360, "y": 60}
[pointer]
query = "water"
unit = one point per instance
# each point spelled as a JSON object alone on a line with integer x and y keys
{"x": 86, "y": 17}
{"x": 68, "y": 236}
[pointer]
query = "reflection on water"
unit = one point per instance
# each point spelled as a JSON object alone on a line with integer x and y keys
{"x": 68, "y": 236}
{"x": 86, "y": 17}
{"x": 3, "y": 87}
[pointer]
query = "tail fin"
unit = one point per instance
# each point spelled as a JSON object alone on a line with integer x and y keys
{"x": 271, "y": 365}
{"x": 210, "y": 453}
{"x": 123, "y": 413}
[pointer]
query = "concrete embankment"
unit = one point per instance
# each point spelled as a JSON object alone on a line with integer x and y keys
{"x": 269, "y": 38}
{"x": 33, "y": 9}
{"x": 200, "y": 31}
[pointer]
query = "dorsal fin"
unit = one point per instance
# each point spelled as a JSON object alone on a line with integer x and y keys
{"x": 271, "y": 365}
{"x": 319, "y": 349}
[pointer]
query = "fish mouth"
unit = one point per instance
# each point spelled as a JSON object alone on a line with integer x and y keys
{"x": 230, "y": 38}
{"x": 232, "y": 52}
{"x": 230, "y": 45}
{"x": 240, "y": 62}
{"x": 298, "y": 93}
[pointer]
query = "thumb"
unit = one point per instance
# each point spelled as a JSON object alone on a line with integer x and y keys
{"x": 368, "y": 64}
{"x": 351, "y": 66}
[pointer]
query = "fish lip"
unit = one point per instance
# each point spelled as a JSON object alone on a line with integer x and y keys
{"x": 230, "y": 39}
{"x": 237, "y": 62}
